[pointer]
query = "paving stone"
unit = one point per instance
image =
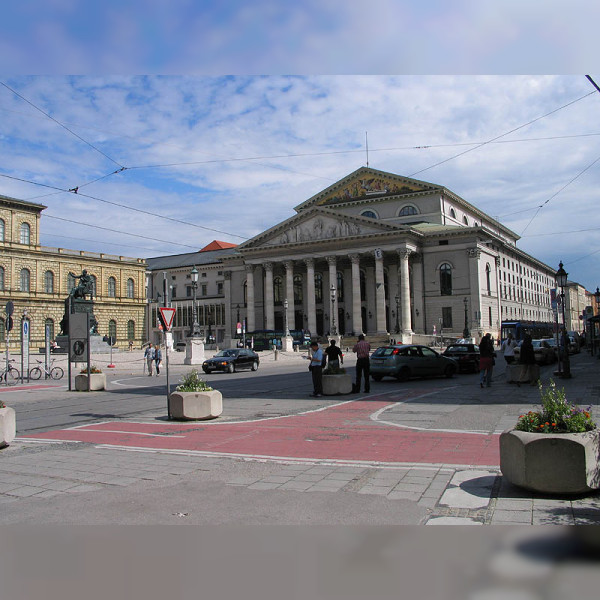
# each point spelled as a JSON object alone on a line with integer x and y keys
{"x": 339, "y": 477}
{"x": 512, "y": 516}
{"x": 123, "y": 481}
{"x": 243, "y": 480}
{"x": 48, "y": 494}
{"x": 309, "y": 477}
{"x": 427, "y": 502}
{"x": 261, "y": 485}
{"x": 514, "y": 504}
{"x": 404, "y": 496}
{"x": 6, "y": 487}
{"x": 410, "y": 487}
{"x": 83, "y": 488}
{"x": 452, "y": 521}
{"x": 61, "y": 485}
{"x": 275, "y": 479}
{"x": 25, "y": 491}
{"x": 374, "y": 489}
{"x": 299, "y": 486}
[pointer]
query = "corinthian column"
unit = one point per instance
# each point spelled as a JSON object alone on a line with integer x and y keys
{"x": 310, "y": 292}
{"x": 405, "y": 291}
{"x": 379, "y": 293}
{"x": 269, "y": 307}
{"x": 356, "y": 303}
{"x": 250, "y": 298}
{"x": 289, "y": 292}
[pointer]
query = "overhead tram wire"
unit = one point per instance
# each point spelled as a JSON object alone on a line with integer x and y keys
{"x": 60, "y": 124}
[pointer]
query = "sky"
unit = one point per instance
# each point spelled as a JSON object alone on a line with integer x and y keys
{"x": 244, "y": 110}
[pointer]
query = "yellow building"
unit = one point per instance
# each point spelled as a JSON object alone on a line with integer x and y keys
{"x": 37, "y": 280}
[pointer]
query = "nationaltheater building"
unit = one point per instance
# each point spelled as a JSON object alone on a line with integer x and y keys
{"x": 374, "y": 253}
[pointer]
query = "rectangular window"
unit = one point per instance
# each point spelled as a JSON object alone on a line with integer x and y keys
{"x": 203, "y": 289}
{"x": 447, "y": 317}
{"x": 490, "y": 314}
{"x": 219, "y": 288}
{"x": 188, "y": 291}
{"x": 174, "y": 291}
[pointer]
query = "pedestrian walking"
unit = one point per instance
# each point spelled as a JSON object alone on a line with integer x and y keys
{"x": 149, "y": 356}
{"x": 486, "y": 360}
{"x": 316, "y": 369}
{"x": 508, "y": 349}
{"x": 130, "y": 345}
{"x": 157, "y": 359}
{"x": 334, "y": 355}
{"x": 527, "y": 360}
{"x": 362, "y": 349}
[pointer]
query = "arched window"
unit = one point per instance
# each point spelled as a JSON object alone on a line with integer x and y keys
{"x": 49, "y": 282}
{"x": 465, "y": 220}
{"x": 24, "y": 233}
{"x": 318, "y": 288}
{"x": 487, "y": 278}
{"x": 112, "y": 329}
{"x": 363, "y": 286}
{"x": 298, "y": 296}
{"x": 278, "y": 290}
{"x": 49, "y": 324}
{"x": 25, "y": 280}
{"x": 130, "y": 288}
{"x": 407, "y": 211}
{"x": 452, "y": 213}
{"x": 340, "y": 286}
{"x": 131, "y": 330}
{"x": 2, "y": 230}
{"x": 1, "y": 279}
{"x": 446, "y": 280}
{"x": 371, "y": 214}
{"x": 70, "y": 282}
{"x": 112, "y": 287}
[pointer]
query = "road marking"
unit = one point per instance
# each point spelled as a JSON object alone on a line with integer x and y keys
{"x": 135, "y": 433}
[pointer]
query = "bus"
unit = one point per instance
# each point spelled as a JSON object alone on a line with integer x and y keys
{"x": 536, "y": 329}
{"x": 265, "y": 339}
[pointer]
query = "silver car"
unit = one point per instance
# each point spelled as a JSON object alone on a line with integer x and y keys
{"x": 406, "y": 361}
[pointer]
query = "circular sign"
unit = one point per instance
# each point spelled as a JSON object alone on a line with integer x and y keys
{"x": 10, "y": 308}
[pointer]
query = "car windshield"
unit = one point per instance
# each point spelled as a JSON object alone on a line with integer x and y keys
{"x": 227, "y": 353}
{"x": 458, "y": 348}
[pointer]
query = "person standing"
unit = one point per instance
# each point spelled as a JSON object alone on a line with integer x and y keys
{"x": 508, "y": 349}
{"x": 149, "y": 356}
{"x": 362, "y": 349}
{"x": 486, "y": 360}
{"x": 157, "y": 358}
{"x": 334, "y": 355}
{"x": 316, "y": 369}
{"x": 527, "y": 361}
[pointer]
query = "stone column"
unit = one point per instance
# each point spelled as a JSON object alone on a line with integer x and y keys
{"x": 418, "y": 293}
{"x": 405, "y": 294}
{"x": 289, "y": 292}
{"x": 310, "y": 293}
{"x": 251, "y": 316}
{"x": 269, "y": 306}
{"x": 379, "y": 293}
{"x": 356, "y": 303}
{"x": 332, "y": 262}
{"x": 229, "y": 328}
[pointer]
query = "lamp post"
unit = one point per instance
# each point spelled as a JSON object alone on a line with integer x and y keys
{"x": 397, "y": 309}
{"x": 593, "y": 325}
{"x": 466, "y": 332}
{"x": 195, "y": 329}
{"x": 333, "y": 325}
{"x": 285, "y": 316}
{"x": 561, "y": 281}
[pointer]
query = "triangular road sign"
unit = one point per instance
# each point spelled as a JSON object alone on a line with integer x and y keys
{"x": 166, "y": 316}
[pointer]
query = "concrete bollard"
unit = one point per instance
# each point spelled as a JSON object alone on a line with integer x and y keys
{"x": 275, "y": 353}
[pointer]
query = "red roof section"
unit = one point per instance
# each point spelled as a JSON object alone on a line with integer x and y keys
{"x": 217, "y": 245}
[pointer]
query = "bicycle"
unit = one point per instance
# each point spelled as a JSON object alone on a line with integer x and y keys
{"x": 9, "y": 374}
{"x": 51, "y": 372}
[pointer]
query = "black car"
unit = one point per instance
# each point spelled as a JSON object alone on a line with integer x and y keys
{"x": 231, "y": 361}
{"x": 466, "y": 355}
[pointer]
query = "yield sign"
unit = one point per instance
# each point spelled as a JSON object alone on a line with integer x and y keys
{"x": 166, "y": 316}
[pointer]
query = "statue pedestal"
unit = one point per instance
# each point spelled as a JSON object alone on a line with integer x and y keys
{"x": 287, "y": 343}
{"x": 194, "y": 351}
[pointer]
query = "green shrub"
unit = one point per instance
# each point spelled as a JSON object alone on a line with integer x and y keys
{"x": 192, "y": 382}
{"x": 329, "y": 370}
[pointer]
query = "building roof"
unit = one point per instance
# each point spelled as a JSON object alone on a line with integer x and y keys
{"x": 202, "y": 257}
{"x": 217, "y": 245}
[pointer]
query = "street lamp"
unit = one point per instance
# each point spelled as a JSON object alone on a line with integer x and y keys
{"x": 285, "y": 315}
{"x": 466, "y": 333}
{"x": 397, "y": 309}
{"x": 561, "y": 281}
{"x": 597, "y": 297}
{"x": 195, "y": 330}
{"x": 333, "y": 326}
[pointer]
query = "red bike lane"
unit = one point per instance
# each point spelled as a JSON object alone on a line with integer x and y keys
{"x": 343, "y": 432}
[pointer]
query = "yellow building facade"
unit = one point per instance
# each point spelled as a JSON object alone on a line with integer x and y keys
{"x": 37, "y": 279}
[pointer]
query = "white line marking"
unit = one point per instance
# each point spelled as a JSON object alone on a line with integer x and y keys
{"x": 45, "y": 441}
{"x": 135, "y": 433}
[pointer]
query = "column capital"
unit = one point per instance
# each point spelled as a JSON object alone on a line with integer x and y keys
{"x": 289, "y": 265}
{"x": 249, "y": 268}
{"x": 227, "y": 275}
{"x": 354, "y": 258}
{"x": 268, "y": 266}
{"x": 497, "y": 261}
{"x": 404, "y": 252}
{"x": 332, "y": 260}
{"x": 473, "y": 252}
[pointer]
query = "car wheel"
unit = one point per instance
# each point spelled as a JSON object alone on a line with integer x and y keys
{"x": 255, "y": 365}
{"x": 449, "y": 371}
{"x": 403, "y": 374}
{"x": 377, "y": 377}
{"x": 231, "y": 368}
{"x": 205, "y": 370}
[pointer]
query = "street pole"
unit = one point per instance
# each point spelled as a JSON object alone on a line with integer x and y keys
{"x": 466, "y": 333}
{"x": 333, "y": 325}
{"x": 397, "y": 315}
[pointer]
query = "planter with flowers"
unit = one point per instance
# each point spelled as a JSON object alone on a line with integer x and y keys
{"x": 8, "y": 425}
{"x": 194, "y": 399}
{"x": 97, "y": 380}
{"x": 336, "y": 381}
{"x": 554, "y": 450}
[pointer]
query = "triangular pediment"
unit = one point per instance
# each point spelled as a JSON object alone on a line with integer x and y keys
{"x": 366, "y": 183}
{"x": 315, "y": 225}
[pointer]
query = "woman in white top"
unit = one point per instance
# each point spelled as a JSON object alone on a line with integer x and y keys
{"x": 508, "y": 349}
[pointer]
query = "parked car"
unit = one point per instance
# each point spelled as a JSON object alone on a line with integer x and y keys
{"x": 405, "y": 361}
{"x": 180, "y": 346}
{"x": 232, "y": 360}
{"x": 466, "y": 355}
{"x": 545, "y": 353}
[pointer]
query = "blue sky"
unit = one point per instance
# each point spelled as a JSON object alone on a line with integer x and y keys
{"x": 260, "y": 145}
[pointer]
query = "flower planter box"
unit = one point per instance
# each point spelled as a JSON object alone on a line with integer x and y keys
{"x": 337, "y": 384}
{"x": 8, "y": 426}
{"x": 97, "y": 382}
{"x": 553, "y": 463}
{"x": 196, "y": 405}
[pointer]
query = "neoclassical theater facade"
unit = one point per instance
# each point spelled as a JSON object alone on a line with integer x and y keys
{"x": 374, "y": 253}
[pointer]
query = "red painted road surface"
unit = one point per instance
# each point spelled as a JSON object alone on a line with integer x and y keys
{"x": 17, "y": 388}
{"x": 343, "y": 432}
